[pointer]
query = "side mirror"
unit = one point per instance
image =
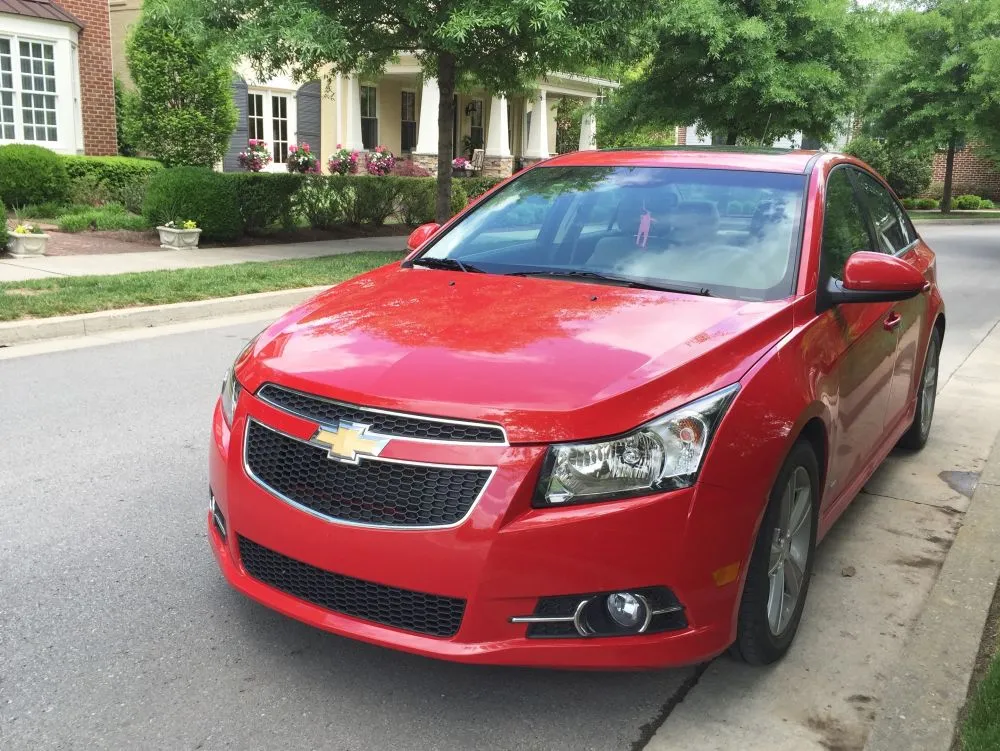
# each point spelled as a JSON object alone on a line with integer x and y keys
{"x": 422, "y": 234}
{"x": 873, "y": 277}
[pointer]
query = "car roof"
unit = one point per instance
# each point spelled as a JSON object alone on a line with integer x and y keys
{"x": 797, "y": 161}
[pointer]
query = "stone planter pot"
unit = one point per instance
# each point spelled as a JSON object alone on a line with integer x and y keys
{"x": 26, "y": 246}
{"x": 175, "y": 238}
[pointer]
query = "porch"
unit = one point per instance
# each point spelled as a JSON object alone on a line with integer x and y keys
{"x": 400, "y": 111}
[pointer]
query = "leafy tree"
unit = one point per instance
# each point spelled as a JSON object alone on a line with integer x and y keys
{"x": 505, "y": 46}
{"x": 183, "y": 113}
{"x": 943, "y": 85}
{"x": 124, "y": 108}
{"x": 754, "y": 71}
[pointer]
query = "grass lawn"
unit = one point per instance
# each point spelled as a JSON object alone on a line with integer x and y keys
{"x": 981, "y": 731}
{"x": 955, "y": 216}
{"x": 40, "y": 298}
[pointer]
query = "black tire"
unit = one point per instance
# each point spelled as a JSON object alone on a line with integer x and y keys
{"x": 756, "y": 643}
{"x": 915, "y": 438}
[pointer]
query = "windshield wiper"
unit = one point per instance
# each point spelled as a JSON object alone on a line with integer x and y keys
{"x": 448, "y": 264}
{"x": 622, "y": 281}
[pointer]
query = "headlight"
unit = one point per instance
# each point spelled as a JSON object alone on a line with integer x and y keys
{"x": 231, "y": 387}
{"x": 661, "y": 455}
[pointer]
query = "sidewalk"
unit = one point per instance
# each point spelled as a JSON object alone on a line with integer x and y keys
{"x": 19, "y": 269}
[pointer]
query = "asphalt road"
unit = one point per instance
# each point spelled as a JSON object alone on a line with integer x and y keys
{"x": 117, "y": 631}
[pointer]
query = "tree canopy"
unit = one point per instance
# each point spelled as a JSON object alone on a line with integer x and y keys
{"x": 753, "y": 70}
{"x": 943, "y": 85}
{"x": 503, "y": 44}
{"x": 182, "y": 113}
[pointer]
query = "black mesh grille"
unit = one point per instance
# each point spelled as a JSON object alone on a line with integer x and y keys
{"x": 331, "y": 413}
{"x": 370, "y": 492}
{"x": 400, "y": 608}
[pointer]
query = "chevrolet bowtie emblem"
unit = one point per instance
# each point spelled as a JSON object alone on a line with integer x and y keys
{"x": 349, "y": 442}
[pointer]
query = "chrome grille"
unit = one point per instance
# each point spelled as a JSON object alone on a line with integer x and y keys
{"x": 373, "y": 492}
{"x": 434, "y": 615}
{"x": 393, "y": 424}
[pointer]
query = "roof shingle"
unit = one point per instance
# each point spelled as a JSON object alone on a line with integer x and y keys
{"x": 39, "y": 9}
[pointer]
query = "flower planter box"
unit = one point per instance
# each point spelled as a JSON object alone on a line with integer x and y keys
{"x": 26, "y": 246}
{"x": 174, "y": 238}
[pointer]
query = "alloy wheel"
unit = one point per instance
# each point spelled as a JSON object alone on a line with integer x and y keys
{"x": 929, "y": 394}
{"x": 790, "y": 548}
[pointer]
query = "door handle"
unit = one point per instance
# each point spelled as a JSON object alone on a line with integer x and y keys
{"x": 892, "y": 321}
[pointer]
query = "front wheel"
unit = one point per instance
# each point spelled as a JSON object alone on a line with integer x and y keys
{"x": 781, "y": 562}
{"x": 916, "y": 437}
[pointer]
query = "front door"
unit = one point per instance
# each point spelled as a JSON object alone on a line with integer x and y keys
{"x": 861, "y": 343}
{"x": 895, "y": 235}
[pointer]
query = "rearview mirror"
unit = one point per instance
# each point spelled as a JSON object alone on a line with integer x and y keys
{"x": 873, "y": 277}
{"x": 422, "y": 234}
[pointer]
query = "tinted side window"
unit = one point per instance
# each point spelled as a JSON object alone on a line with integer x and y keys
{"x": 892, "y": 231}
{"x": 844, "y": 227}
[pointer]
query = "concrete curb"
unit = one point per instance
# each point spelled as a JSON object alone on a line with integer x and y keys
{"x": 86, "y": 324}
{"x": 926, "y": 693}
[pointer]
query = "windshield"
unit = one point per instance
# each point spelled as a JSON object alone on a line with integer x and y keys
{"x": 726, "y": 233}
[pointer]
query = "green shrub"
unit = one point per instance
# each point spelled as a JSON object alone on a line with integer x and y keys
{"x": 31, "y": 174}
{"x": 418, "y": 199}
{"x": 966, "y": 203}
{"x": 368, "y": 200}
{"x": 3, "y": 234}
{"x": 113, "y": 216}
{"x": 986, "y": 203}
{"x": 118, "y": 179}
{"x": 476, "y": 186}
{"x": 209, "y": 198}
{"x": 935, "y": 190}
{"x": 908, "y": 170}
{"x": 319, "y": 203}
{"x": 921, "y": 204}
{"x": 265, "y": 198}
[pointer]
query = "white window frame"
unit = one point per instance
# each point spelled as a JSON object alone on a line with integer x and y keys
{"x": 415, "y": 121}
{"x": 482, "y": 121}
{"x": 378, "y": 112}
{"x": 267, "y": 94}
{"x": 62, "y": 37}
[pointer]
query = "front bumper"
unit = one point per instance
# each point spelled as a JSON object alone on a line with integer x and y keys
{"x": 501, "y": 559}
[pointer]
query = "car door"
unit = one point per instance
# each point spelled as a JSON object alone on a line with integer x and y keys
{"x": 896, "y": 236}
{"x": 860, "y": 333}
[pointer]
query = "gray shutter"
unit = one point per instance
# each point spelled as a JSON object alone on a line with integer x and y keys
{"x": 308, "y": 108}
{"x": 238, "y": 140}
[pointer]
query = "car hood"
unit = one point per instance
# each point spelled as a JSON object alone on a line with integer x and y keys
{"x": 548, "y": 359}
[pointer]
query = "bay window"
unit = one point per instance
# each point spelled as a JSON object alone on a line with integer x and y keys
{"x": 28, "y": 91}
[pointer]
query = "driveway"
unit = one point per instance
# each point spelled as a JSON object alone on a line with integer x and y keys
{"x": 117, "y": 631}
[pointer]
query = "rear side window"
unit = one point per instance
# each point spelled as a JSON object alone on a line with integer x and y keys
{"x": 892, "y": 230}
{"x": 844, "y": 227}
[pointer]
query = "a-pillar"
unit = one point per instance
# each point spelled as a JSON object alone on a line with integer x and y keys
{"x": 425, "y": 154}
{"x": 498, "y": 161}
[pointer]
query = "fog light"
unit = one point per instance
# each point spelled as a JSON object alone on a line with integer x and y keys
{"x": 626, "y": 610}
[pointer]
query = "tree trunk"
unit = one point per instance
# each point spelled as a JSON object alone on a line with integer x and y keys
{"x": 949, "y": 168}
{"x": 446, "y": 124}
{"x": 731, "y": 136}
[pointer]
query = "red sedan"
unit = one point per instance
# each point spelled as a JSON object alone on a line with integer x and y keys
{"x": 599, "y": 420}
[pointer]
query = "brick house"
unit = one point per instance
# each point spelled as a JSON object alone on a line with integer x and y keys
{"x": 56, "y": 83}
{"x": 972, "y": 174}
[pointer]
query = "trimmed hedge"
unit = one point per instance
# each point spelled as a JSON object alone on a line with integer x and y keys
{"x": 209, "y": 198}
{"x": 265, "y": 198}
{"x": 3, "y": 233}
{"x": 117, "y": 179}
{"x": 970, "y": 203}
{"x": 476, "y": 186}
{"x": 921, "y": 203}
{"x": 418, "y": 201}
{"x": 31, "y": 174}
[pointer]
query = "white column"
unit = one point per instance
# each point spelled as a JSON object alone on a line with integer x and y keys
{"x": 538, "y": 138}
{"x": 352, "y": 102}
{"x": 498, "y": 140}
{"x": 588, "y": 129}
{"x": 427, "y": 128}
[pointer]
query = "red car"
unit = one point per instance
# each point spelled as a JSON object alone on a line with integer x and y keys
{"x": 599, "y": 420}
